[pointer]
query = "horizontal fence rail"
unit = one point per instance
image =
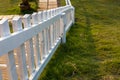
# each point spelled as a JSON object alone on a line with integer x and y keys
{"x": 27, "y": 43}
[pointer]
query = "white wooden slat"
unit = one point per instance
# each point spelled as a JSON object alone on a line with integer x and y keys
{"x": 61, "y": 27}
{"x": 22, "y": 66}
{"x": 48, "y": 14}
{"x": 48, "y": 35}
{"x": 1, "y": 75}
{"x": 27, "y": 21}
{"x": 20, "y": 51}
{"x": 30, "y": 55}
{"x": 5, "y": 31}
{"x": 38, "y": 56}
{"x": 36, "y": 50}
{"x": 36, "y": 40}
{"x": 73, "y": 15}
{"x": 55, "y": 25}
{"x": 41, "y": 42}
{"x": 29, "y": 45}
{"x": 11, "y": 66}
{"x": 45, "y": 34}
{"x": 4, "y": 28}
{"x": 41, "y": 46}
{"x": 57, "y": 29}
{"x": 44, "y": 15}
{"x": 47, "y": 41}
{"x": 34, "y": 18}
{"x": 44, "y": 44}
{"x": 40, "y": 17}
{"x": 51, "y": 35}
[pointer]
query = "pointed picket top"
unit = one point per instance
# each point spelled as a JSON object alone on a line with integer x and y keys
{"x": 40, "y": 16}
{"x": 45, "y": 15}
{"x": 17, "y": 23}
{"x": 26, "y": 20}
{"x": 34, "y": 18}
{"x": 4, "y": 28}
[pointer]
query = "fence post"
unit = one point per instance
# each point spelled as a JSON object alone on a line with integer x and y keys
{"x": 73, "y": 14}
{"x": 64, "y": 26}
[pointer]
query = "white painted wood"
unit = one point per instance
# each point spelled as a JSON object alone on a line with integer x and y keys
{"x": 36, "y": 40}
{"x": 43, "y": 44}
{"x": 30, "y": 55}
{"x": 73, "y": 14}
{"x": 22, "y": 66}
{"x": 48, "y": 14}
{"x": 52, "y": 36}
{"x": 4, "y": 28}
{"x": 38, "y": 56}
{"x": 20, "y": 51}
{"x": 64, "y": 26}
{"x": 46, "y": 28}
{"x": 47, "y": 41}
{"x": 44, "y": 15}
{"x": 1, "y": 75}
{"x": 17, "y": 24}
{"x": 5, "y": 31}
{"x": 21, "y": 36}
{"x": 11, "y": 66}
{"x": 55, "y": 30}
{"x": 45, "y": 61}
{"x": 34, "y": 18}
{"x": 26, "y": 21}
{"x": 39, "y": 17}
{"x": 29, "y": 45}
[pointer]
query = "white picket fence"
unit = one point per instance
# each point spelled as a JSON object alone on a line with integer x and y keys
{"x": 25, "y": 52}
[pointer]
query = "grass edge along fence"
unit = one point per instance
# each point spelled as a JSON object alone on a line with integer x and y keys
{"x": 25, "y": 52}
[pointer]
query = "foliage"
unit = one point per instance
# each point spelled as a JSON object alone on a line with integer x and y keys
{"x": 8, "y": 7}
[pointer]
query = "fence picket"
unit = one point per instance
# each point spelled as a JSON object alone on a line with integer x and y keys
{"x": 29, "y": 45}
{"x": 11, "y": 67}
{"x": 36, "y": 40}
{"x": 22, "y": 66}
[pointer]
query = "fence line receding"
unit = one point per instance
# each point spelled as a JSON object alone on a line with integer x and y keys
{"x": 27, "y": 43}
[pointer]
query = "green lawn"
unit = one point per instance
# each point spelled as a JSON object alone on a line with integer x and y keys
{"x": 92, "y": 51}
{"x": 12, "y": 7}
